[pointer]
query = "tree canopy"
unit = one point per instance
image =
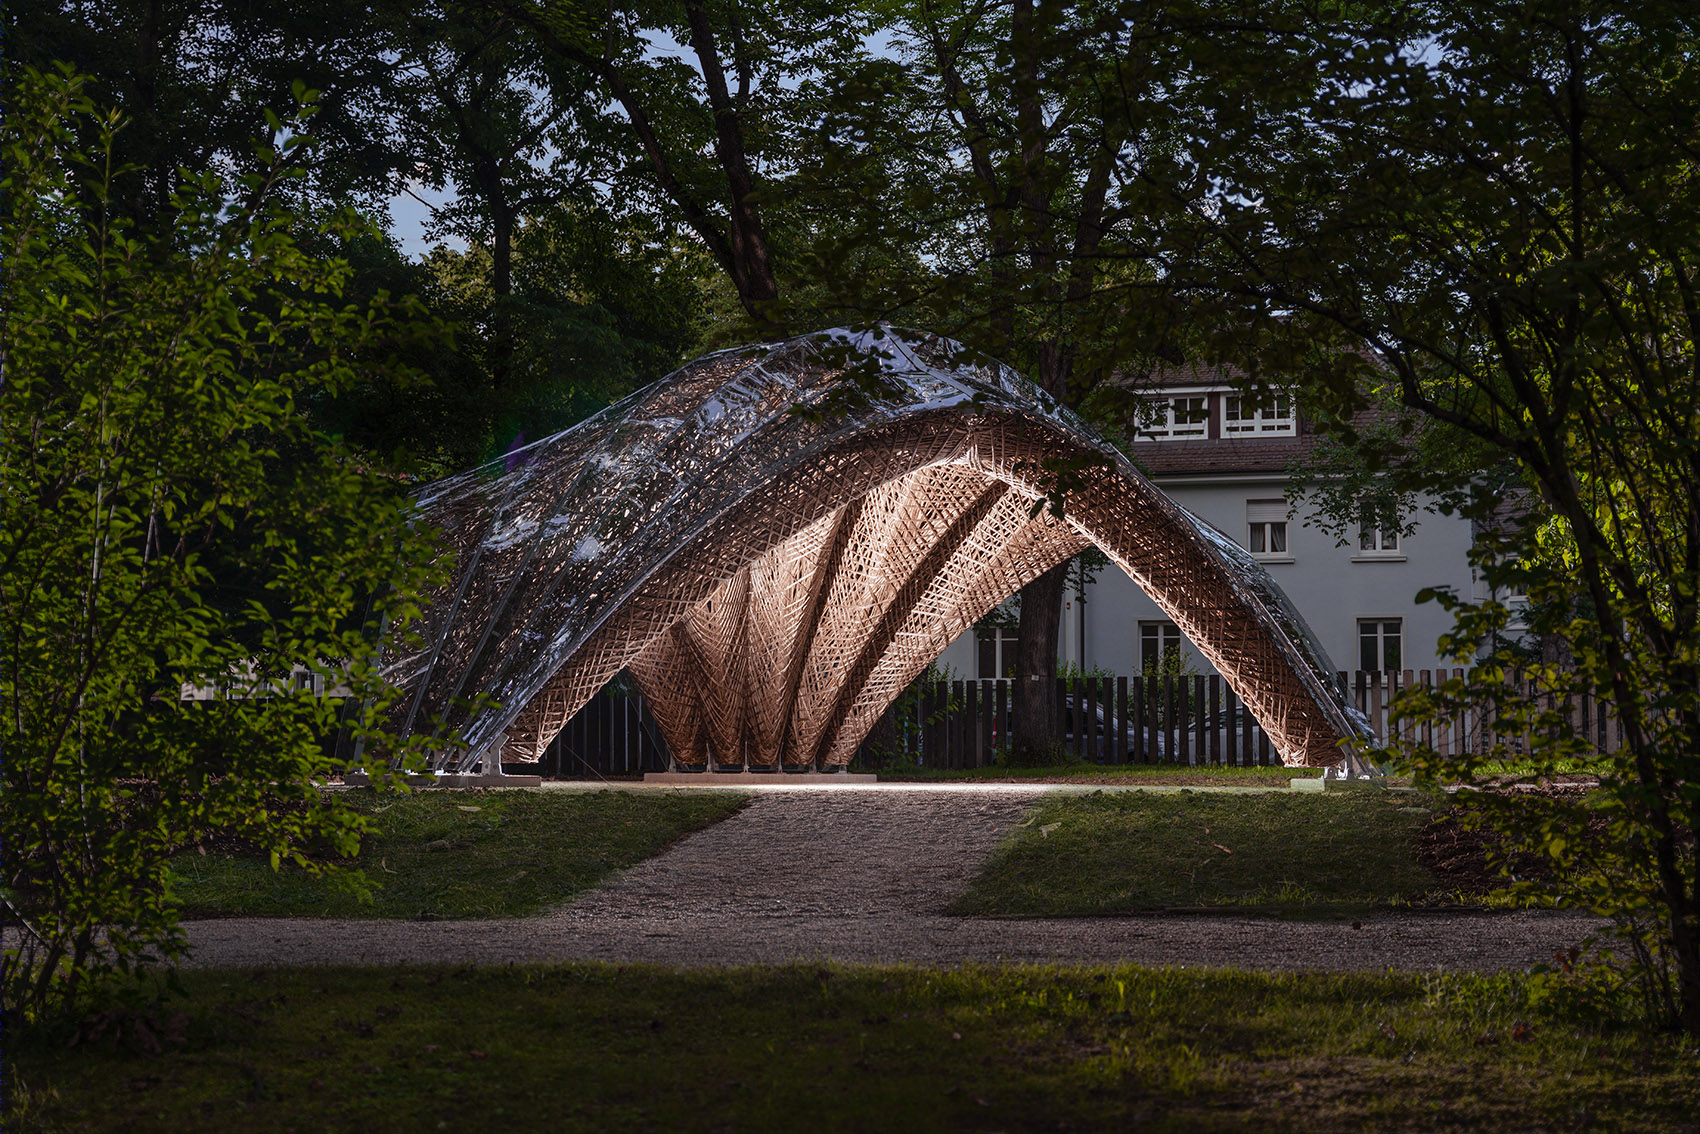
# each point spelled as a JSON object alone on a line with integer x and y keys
{"x": 1500, "y": 200}
{"x": 171, "y": 520}
{"x": 1480, "y": 216}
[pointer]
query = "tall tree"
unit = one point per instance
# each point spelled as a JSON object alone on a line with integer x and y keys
{"x": 1504, "y": 200}
{"x": 1010, "y": 141}
{"x": 485, "y": 117}
{"x": 707, "y": 93}
{"x": 195, "y": 77}
{"x": 171, "y": 519}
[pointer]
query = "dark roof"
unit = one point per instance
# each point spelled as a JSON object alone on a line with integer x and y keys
{"x": 1226, "y": 456}
{"x": 1223, "y": 455}
{"x": 1194, "y": 374}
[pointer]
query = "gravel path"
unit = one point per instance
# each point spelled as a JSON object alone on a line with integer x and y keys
{"x": 859, "y": 875}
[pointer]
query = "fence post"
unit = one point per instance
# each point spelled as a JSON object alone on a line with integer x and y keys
{"x": 1121, "y": 720}
{"x": 1000, "y": 711}
{"x": 1107, "y": 698}
{"x": 1137, "y": 715}
{"x": 1155, "y": 750}
{"x": 1375, "y": 718}
{"x": 1404, "y": 727}
{"x": 1062, "y": 705}
{"x": 981, "y": 723}
{"x": 1214, "y": 717}
{"x": 1201, "y": 719}
{"x": 1167, "y": 748}
{"x": 935, "y": 725}
{"x": 959, "y": 721}
{"x": 1240, "y": 731}
{"x": 617, "y": 735}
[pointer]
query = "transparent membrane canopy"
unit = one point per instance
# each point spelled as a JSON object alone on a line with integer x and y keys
{"x": 775, "y": 540}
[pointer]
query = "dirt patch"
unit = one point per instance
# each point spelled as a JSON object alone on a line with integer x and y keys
{"x": 1473, "y": 860}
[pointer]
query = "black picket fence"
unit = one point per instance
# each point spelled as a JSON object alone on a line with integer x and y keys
{"x": 1170, "y": 719}
{"x": 613, "y": 735}
{"x": 1589, "y": 717}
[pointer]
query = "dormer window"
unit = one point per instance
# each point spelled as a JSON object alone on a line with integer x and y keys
{"x": 1269, "y": 414}
{"x": 1179, "y": 418}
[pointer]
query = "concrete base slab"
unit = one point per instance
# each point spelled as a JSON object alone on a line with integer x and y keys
{"x": 360, "y": 779}
{"x": 813, "y": 779}
{"x": 489, "y": 781}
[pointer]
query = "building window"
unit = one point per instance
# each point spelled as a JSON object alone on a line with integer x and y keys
{"x": 1269, "y": 414}
{"x": 1380, "y": 643}
{"x": 1378, "y": 534}
{"x": 997, "y": 652}
{"x": 1180, "y": 418}
{"x": 1377, "y": 541}
{"x": 1159, "y": 647}
{"x": 1266, "y": 528}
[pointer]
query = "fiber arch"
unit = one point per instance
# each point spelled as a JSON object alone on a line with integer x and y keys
{"x": 776, "y": 540}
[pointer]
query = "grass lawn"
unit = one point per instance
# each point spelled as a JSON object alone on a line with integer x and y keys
{"x": 604, "y": 1049}
{"x": 462, "y": 854}
{"x": 1204, "y": 774}
{"x": 1292, "y": 854}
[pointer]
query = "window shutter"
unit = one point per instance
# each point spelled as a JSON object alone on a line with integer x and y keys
{"x": 1265, "y": 511}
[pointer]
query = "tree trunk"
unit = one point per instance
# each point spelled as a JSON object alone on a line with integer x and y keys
{"x": 1685, "y": 943}
{"x": 750, "y": 266}
{"x": 501, "y": 287}
{"x": 1037, "y": 732}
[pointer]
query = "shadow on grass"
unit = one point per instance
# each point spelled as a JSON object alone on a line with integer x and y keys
{"x": 454, "y": 854}
{"x": 829, "y": 1048}
{"x": 1290, "y": 855}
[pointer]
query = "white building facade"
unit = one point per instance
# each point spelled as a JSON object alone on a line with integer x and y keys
{"x": 1226, "y": 457}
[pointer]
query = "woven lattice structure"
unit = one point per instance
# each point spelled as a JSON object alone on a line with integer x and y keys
{"x": 775, "y": 551}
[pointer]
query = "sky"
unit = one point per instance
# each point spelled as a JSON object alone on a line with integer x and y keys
{"x": 408, "y": 217}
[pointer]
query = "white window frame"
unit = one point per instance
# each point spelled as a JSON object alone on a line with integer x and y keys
{"x": 1379, "y": 545}
{"x": 1268, "y": 519}
{"x": 1269, "y": 414}
{"x": 1516, "y": 604}
{"x": 1376, "y": 543}
{"x": 1380, "y": 635}
{"x": 1168, "y": 636}
{"x": 1160, "y": 423}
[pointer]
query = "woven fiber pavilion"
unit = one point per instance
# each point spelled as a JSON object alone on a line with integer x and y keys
{"x": 776, "y": 540}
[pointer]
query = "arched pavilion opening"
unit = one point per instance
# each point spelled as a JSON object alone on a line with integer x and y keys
{"x": 775, "y": 540}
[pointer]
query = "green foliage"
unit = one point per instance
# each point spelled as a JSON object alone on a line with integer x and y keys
{"x": 170, "y": 520}
{"x": 1073, "y": 675}
{"x": 1385, "y": 472}
{"x": 195, "y": 78}
{"x": 598, "y": 306}
{"x": 895, "y": 748}
{"x": 459, "y": 854}
{"x": 1501, "y": 201}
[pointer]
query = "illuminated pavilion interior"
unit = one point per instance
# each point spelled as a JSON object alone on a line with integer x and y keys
{"x": 775, "y": 540}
